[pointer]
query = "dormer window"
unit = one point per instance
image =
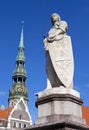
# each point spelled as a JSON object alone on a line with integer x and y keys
{"x": 20, "y": 117}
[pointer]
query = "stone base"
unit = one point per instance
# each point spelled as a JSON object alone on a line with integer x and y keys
{"x": 58, "y": 90}
{"x": 57, "y": 104}
{"x": 56, "y": 118}
{"x": 62, "y": 125}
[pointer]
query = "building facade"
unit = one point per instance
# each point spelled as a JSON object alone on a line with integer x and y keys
{"x": 17, "y": 114}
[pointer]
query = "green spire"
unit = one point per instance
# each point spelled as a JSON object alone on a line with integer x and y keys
{"x": 20, "y": 71}
{"x": 19, "y": 88}
{"x": 20, "y": 56}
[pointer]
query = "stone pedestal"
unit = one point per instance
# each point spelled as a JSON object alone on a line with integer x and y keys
{"x": 59, "y": 109}
{"x": 57, "y": 104}
{"x": 62, "y": 125}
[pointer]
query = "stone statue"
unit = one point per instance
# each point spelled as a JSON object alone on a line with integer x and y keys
{"x": 58, "y": 30}
{"x": 59, "y": 56}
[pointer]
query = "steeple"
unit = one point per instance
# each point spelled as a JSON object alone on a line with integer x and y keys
{"x": 22, "y": 38}
{"x": 20, "y": 56}
{"x": 18, "y": 88}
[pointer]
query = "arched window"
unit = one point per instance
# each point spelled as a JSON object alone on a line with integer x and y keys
{"x": 19, "y": 125}
{"x": 24, "y": 126}
{"x": 14, "y": 125}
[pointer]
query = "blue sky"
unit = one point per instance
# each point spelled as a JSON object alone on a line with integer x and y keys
{"x": 36, "y": 15}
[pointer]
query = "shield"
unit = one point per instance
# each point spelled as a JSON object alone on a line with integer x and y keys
{"x": 61, "y": 55}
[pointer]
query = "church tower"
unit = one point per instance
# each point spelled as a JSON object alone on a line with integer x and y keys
{"x": 19, "y": 88}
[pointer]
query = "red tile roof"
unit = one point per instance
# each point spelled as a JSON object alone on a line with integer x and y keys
{"x": 5, "y": 113}
{"x": 85, "y": 113}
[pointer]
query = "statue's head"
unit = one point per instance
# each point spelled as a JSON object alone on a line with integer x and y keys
{"x": 55, "y": 18}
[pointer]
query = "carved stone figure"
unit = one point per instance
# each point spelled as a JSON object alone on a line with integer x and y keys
{"x": 59, "y": 55}
{"x": 58, "y": 30}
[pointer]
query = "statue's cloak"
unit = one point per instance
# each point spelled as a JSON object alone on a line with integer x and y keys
{"x": 61, "y": 55}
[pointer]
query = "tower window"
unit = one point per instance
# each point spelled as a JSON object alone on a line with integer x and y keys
{"x": 17, "y": 63}
{"x": 23, "y": 80}
{"x": 15, "y": 80}
{"x": 19, "y": 79}
{"x": 20, "y": 63}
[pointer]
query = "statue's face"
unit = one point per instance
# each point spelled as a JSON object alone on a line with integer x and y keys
{"x": 55, "y": 17}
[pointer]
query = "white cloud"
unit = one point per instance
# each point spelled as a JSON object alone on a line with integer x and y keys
{"x": 83, "y": 86}
{"x": 87, "y": 85}
{"x": 2, "y": 93}
{"x": 76, "y": 87}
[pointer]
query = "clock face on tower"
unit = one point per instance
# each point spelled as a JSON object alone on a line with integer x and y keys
{"x": 19, "y": 89}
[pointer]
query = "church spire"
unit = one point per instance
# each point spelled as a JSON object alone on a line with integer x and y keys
{"x": 20, "y": 56}
{"x": 19, "y": 89}
{"x": 22, "y": 38}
